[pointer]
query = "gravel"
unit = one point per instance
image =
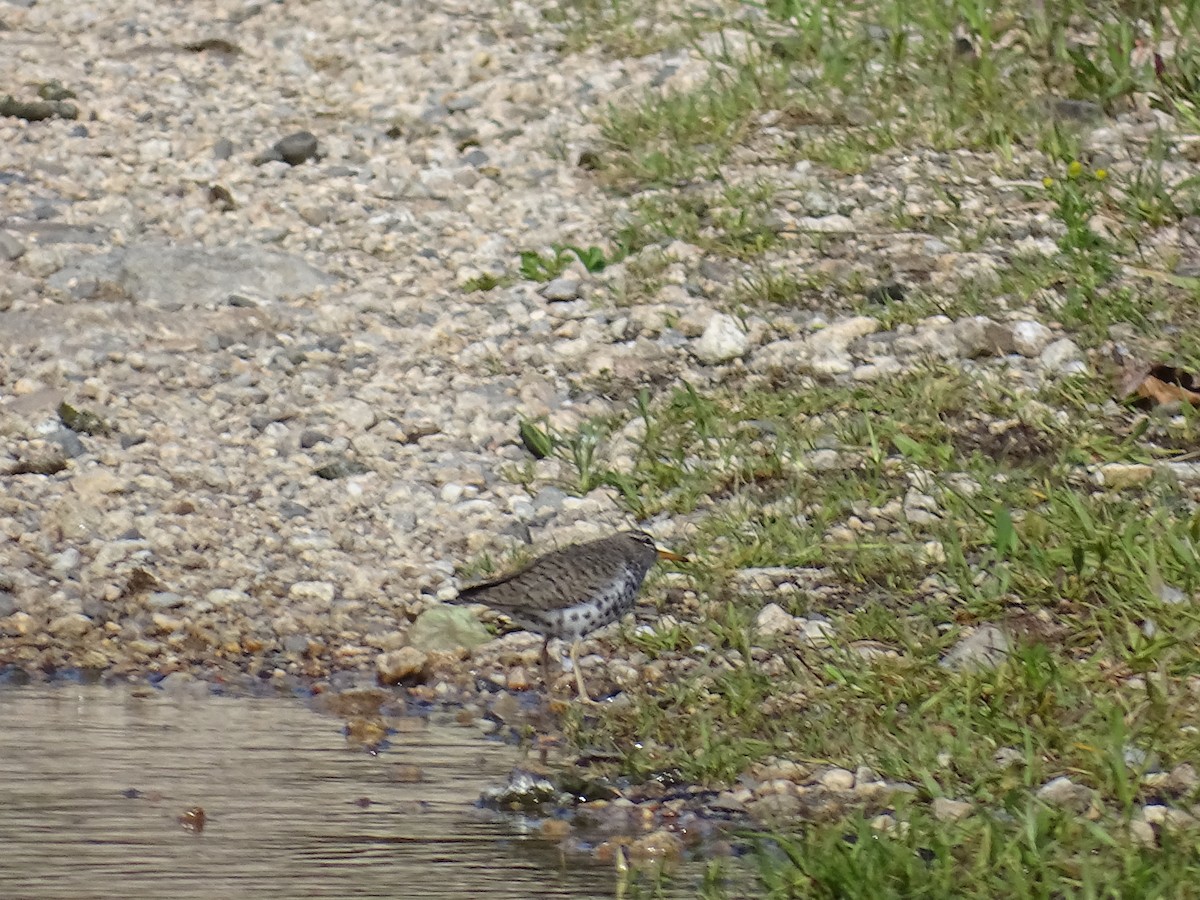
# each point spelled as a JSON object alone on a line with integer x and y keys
{"x": 309, "y": 427}
{"x": 723, "y": 340}
{"x": 249, "y": 267}
{"x": 248, "y": 258}
{"x": 984, "y": 648}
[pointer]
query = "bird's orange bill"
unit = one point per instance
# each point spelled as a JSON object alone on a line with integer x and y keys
{"x": 667, "y": 554}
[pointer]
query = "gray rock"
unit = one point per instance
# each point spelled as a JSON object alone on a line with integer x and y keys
{"x": 58, "y": 232}
{"x": 223, "y": 149}
{"x": 1064, "y": 109}
{"x": 70, "y": 443}
{"x": 838, "y": 779}
{"x": 1063, "y": 356}
{"x": 980, "y": 336}
{"x": 461, "y": 103}
{"x": 405, "y": 664}
{"x": 321, "y": 592}
{"x": 561, "y": 290}
{"x": 1030, "y": 338}
{"x": 835, "y": 224}
{"x": 1142, "y": 760}
{"x": 866, "y": 775}
{"x": 183, "y": 684}
{"x": 1188, "y": 268}
{"x": 295, "y": 643}
{"x": 519, "y": 531}
{"x": 289, "y": 509}
{"x": 773, "y": 619}
{"x": 1182, "y": 779}
{"x": 293, "y": 149}
{"x": 1142, "y": 832}
{"x": 72, "y": 625}
{"x": 525, "y": 791}
{"x": 828, "y": 348}
{"x": 947, "y": 810}
{"x": 342, "y": 467}
{"x": 310, "y": 437}
{"x": 447, "y": 628}
{"x": 1165, "y": 817}
{"x": 672, "y": 339}
{"x": 220, "y": 597}
{"x": 1185, "y": 472}
{"x": 1008, "y": 757}
{"x": 8, "y": 604}
{"x": 65, "y": 562}
{"x": 816, "y": 633}
{"x": 549, "y": 499}
{"x": 404, "y": 521}
{"x": 160, "y": 600}
{"x": 776, "y": 809}
{"x": 10, "y": 247}
{"x": 728, "y": 802}
{"x": 1122, "y": 476}
{"x": 434, "y": 114}
{"x": 818, "y": 203}
{"x": 985, "y": 648}
{"x": 155, "y": 150}
{"x": 1063, "y": 793}
{"x": 43, "y": 261}
{"x": 358, "y": 414}
{"x": 723, "y": 340}
{"x": 187, "y": 276}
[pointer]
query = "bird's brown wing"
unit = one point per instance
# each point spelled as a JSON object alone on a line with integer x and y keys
{"x": 472, "y": 593}
{"x": 515, "y": 582}
{"x": 550, "y": 582}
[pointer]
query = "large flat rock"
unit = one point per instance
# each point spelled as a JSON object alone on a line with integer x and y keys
{"x": 181, "y": 276}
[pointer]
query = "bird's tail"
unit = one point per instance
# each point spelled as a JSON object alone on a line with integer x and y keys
{"x": 468, "y": 594}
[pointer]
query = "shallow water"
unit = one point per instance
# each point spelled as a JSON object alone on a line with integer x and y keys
{"x": 283, "y": 794}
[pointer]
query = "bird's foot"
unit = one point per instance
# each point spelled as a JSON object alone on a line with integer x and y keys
{"x": 556, "y": 706}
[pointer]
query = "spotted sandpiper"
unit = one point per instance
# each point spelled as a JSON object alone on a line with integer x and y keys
{"x": 569, "y": 593}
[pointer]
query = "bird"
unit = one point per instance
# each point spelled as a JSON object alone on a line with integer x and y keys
{"x": 570, "y": 592}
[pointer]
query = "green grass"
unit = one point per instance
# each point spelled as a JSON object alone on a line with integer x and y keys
{"x": 545, "y": 266}
{"x": 850, "y": 86}
{"x": 731, "y": 221}
{"x": 485, "y": 282}
{"x": 941, "y": 499}
{"x": 870, "y": 76}
{"x": 1074, "y": 572}
{"x": 668, "y": 139}
{"x": 1036, "y": 854}
{"x": 622, "y": 28}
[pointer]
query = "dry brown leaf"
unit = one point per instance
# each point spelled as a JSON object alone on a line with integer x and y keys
{"x": 1159, "y": 385}
{"x": 1161, "y": 392}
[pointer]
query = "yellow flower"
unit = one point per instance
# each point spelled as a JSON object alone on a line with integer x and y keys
{"x": 1101, "y": 174}
{"x": 1075, "y": 169}
{"x": 1047, "y": 182}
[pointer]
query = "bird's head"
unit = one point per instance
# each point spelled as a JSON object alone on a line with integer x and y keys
{"x": 645, "y": 544}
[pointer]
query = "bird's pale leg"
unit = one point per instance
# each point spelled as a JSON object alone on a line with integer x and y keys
{"x": 583, "y": 694}
{"x": 546, "y": 666}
